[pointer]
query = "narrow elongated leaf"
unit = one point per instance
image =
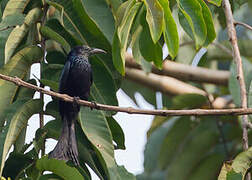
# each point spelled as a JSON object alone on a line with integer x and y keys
{"x": 123, "y": 35}
{"x": 155, "y": 18}
{"x": 118, "y": 57}
{"x": 14, "y": 6}
{"x": 16, "y": 117}
{"x": 149, "y": 50}
{"x": 211, "y": 35}
{"x": 18, "y": 66}
{"x": 58, "y": 167}
{"x": 51, "y": 34}
{"x": 170, "y": 30}
{"x": 117, "y": 133}
{"x": 192, "y": 21}
{"x": 19, "y": 32}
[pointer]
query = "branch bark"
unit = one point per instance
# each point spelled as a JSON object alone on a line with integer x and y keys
{"x": 238, "y": 61}
{"x": 185, "y": 72}
{"x": 243, "y": 24}
{"x": 192, "y": 112}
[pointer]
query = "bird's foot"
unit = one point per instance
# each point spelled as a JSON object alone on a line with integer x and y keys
{"x": 94, "y": 105}
{"x": 75, "y": 101}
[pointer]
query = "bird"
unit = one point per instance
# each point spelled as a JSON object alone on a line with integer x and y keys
{"x": 75, "y": 80}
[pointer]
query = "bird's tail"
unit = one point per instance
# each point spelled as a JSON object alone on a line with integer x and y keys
{"x": 66, "y": 148}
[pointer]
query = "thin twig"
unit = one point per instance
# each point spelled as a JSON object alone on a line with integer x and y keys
{"x": 243, "y": 24}
{"x": 192, "y": 112}
{"x": 238, "y": 61}
{"x": 42, "y": 43}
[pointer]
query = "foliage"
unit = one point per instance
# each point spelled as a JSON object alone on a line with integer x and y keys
{"x": 177, "y": 147}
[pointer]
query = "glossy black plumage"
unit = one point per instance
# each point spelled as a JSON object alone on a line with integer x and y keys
{"x": 76, "y": 80}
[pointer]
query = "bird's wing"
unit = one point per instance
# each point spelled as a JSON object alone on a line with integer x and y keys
{"x": 64, "y": 77}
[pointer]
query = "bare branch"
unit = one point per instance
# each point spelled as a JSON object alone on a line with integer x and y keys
{"x": 243, "y": 24}
{"x": 192, "y": 112}
{"x": 238, "y": 61}
{"x": 185, "y": 72}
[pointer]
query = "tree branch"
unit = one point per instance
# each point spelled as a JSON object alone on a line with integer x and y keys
{"x": 243, "y": 24}
{"x": 192, "y": 112}
{"x": 238, "y": 61}
{"x": 185, "y": 72}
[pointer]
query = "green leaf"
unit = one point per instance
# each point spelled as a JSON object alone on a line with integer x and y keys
{"x": 15, "y": 164}
{"x": 51, "y": 34}
{"x": 18, "y": 33}
{"x": 103, "y": 89}
{"x": 58, "y": 167}
{"x": 234, "y": 176}
{"x": 215, "y": 2}
{"x": 12, "y": 20}
{"x": 95, "y": 126}
{"x": 149, "y": 50}
{"x": 155, "y": 18}
{"x": 19, "y": 66}
{"x": 16, "y": 117}
{"x": 56, "y": 26}
{"x": 3, "y": 38}
{"x": 104, "y": 19}
{"x": 192, "y": 21}
{"x": 233, "y": 84}
{"x": 238, "y": 168}
{"x": 123, "y": 35}
{"x": 117, "y": 55}
{"x": 211, "y": 35}
{"x": 84, "y": 27}
{"x": 170, "y": 30}
{"x": 194, "y": 148}
{"x": 242, "y": 162}
{"x": 117, "y": 133}
{"x": 114, "y": 4}
{"x": 14, "y": 6}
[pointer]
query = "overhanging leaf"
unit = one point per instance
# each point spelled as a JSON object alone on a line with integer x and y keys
{"x": 18, "y": 66}
{"x": 16, "y": 118}
{"x": 170, "y": 30}
{"x": 192, "y": 21}
{"x": 155, "y": 18}
{"x": 14, "y": 6}
{"x": 19, "y": 32}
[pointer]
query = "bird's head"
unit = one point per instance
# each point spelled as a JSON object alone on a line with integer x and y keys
{"x": 87, "y": 51}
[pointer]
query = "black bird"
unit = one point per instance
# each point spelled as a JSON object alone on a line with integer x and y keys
{"x": 76, "y": 80}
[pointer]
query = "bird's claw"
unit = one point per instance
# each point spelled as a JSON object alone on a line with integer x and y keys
{"x": 75, "y": 101}
{"x": 94, "y": 105}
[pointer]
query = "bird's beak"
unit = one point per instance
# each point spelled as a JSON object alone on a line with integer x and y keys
{"x": 97, "y": 51}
